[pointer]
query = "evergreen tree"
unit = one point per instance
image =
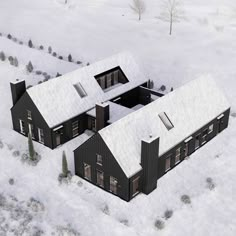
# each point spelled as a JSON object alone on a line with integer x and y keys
{"x": 2, "y": 56}
{"x": 15, "y": 62}
{"x": 50, "y": 49}
{"x": 30, "y": 67}
{"x": 31, "y": 147}
{"x": 64, "y": 165}
{"x": 70, "y": 58}
{"x": 30, "y": 44}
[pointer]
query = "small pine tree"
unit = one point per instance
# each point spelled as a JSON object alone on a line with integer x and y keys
{"x": 64, "y": 165}
{"x": 31, "y": 147}
{"x": 2, "y": 56}
{"x": 50, "y": 49}
{"x": 15, "y": 62}
{"x": 29, "y": 67}
{"x": 70, "y": 58}
{"x": 30, "y": 44}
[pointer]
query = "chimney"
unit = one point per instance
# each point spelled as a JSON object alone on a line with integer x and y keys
{"x": 17, "y": 90}
{"x": 149, "y": 163}
{"x": 102, "y": 115}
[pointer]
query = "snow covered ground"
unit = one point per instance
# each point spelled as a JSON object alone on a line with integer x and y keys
{"x": 202, "y": 43}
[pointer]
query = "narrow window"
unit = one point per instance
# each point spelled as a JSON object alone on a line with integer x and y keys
{"x": 135, "y": 186}
{"x": 210, "y": 129}
{"x": 166, "y": 121}
{"x": 22, "y": 126}
{"x": 31, "y": 130}
{"x": 204, "y": 135}
{"x": 41, "y": 135}
{"x": 167, "y": 164}
{"x": 177, "y": 156}
{"x": 197, "y": 141}
{"x": 75, "y": 128}
{"x": 100, "y": 178}
{"x": 29, "y": 115}
{"x": 99, "y": 159}
{"x": 87, "y": 171}
{"x": 113, "y": 184}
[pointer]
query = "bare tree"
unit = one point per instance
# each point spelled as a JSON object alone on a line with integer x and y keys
{"x": 138, "y": 7}
{"x": 171, "y": 12}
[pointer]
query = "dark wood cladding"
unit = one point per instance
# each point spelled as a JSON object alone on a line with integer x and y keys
{"x": 86, "y": 153}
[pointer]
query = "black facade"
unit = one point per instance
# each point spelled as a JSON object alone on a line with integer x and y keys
{"x": 153, "y": 165}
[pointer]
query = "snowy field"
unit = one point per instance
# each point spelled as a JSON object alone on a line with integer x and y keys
{"x": 203, "y": 42}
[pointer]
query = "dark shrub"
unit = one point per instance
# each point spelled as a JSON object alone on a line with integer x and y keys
{"x": 79, "y": 62}
{"x": 47, "y": 77}
{"x": 49, "y": 49}
{"x": 11, "y": 181}
{"x": 168, "y": 214}
{"x": 20, "y": 42}
{"x": 58, "y": 74}
{"x": 70, "y": 58}
{"x": 9, "y": 36}
{"x": 14, "y": 40}
{"x": 2, "y": 56}
{"x": 185, "y": 199}
{"x": 40, "y": 82}
{"x": 29, "y": 67}
{"x": 210, "y": 183}
{"x": 41, "y": 47}
{"x": 38, "y": 72}
{"x": 163, "y": 88}
{"x": 30, "y": 44}
{"x": 45, "y": 80}
{"x": 16, "y": 154}
{"x": 88, "y": 64}
{"x": 54, "y": 54}
{"x": 159, "y": 224}
{"x": 29, "y": 86}
{"x": 60, "y": 57}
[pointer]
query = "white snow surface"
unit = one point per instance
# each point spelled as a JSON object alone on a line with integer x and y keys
{"x": 202, "y": 43}
{"x": 57, "y": 100}
{"x": 189, "y": 108}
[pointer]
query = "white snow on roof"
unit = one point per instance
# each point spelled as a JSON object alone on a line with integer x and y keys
{"x": 58, "y": 101}
{"x": 189, "y": 108}
{"x": 116, "y": 111}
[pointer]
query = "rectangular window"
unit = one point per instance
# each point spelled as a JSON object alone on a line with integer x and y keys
{"x": 177, "y": 155}
{"x": 31, "y": 130}
{"x": 87, "y": 171}
{"x": 100, "y": 178}
{"x": 135, "y": 186}
{"x": 29, "y": 115}
{"x": 204, "y": 135}
{"x": 99, "y": 159}
{"x": 80, "y": 90}
{"x": 75, "y": 128}
{"x": 166, "y": 121}
{"x": 41, "y": 135}
{"x": 167, "y": 164}
{"x": 22, "y": 126}
{"x": 197, "y": 141}
{"x": 113, "y": 184}
{"x": 210, "y": 129}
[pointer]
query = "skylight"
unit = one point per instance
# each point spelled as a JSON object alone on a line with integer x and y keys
{"x": 80, "y": 90}
{"x": 166, "y": 121}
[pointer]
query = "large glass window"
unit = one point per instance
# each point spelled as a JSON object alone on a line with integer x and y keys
{"x": 100, "y": 178}
{"x": 41, "y": 135}
{"x": 177, "y": 155}
{"x": 87, "y": 171}
{"x": 113, "y": 184}
{"x": 22, "y": 126}
{"x": 135, "y": 186}
{"x": 167, "y": 164}
{"x": 75, "y": 128}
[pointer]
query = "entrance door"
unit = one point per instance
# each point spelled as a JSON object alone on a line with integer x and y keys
{"x": 87, "y": 171}
{"x": 58, "y": 139}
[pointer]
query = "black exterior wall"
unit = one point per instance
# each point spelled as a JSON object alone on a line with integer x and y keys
{"x": 86, "y": 153}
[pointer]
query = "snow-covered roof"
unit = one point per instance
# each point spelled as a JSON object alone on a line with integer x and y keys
{"x": 116, "y": 111}
{"x": 74, "y": 93}
{"x": 188, "y": 108}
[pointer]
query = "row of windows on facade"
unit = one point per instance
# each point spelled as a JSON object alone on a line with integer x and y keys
{"x": 113, "y": 181}
{"x": 75, "y": 128}
{"x": 185, "y": 149}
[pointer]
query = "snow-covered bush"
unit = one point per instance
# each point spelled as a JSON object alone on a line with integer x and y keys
{"x": 50, "y": 49}
{"x": 80, "y": 183}
{"x": 210, "y": 183}
{"x": 16, "y": 153}
{"x": 233, "y": 114}
{"x": 106, "y": 209}
{"x": 10, "y": 59}
{"x": 66, "y": 230}
{"x": 10, "y": 146}
{"x": 66, "y": 175}
{"x": 168, "y": 214}
{"x": 124, "y": 222}
{"x": 15, "y": 62}
{"x": 2, "y": 200}
{"x": 29, "y": 67}
{"x": 185, "y": 199}
{"x": 11, "y": 181}
{"x": 2, "y": 56}
{"x": 1, "y": 144}
{"x": 14, "y": 39}
{"x": 38, "y": 72}
{"x": 35, "y": 205}
{"x": 159, "y": 224}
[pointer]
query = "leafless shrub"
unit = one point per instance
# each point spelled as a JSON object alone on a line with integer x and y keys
{"x": 139, "y": 7}
{"x": 159, "y": 224}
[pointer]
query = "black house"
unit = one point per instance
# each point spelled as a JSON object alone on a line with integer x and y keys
{"x": 130, "y": 155}
{"x": 63, "y": 108}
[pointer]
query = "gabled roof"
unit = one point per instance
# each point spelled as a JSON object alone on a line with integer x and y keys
{"x": 65, "y": 97}
{"x": 188, "y": 108}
